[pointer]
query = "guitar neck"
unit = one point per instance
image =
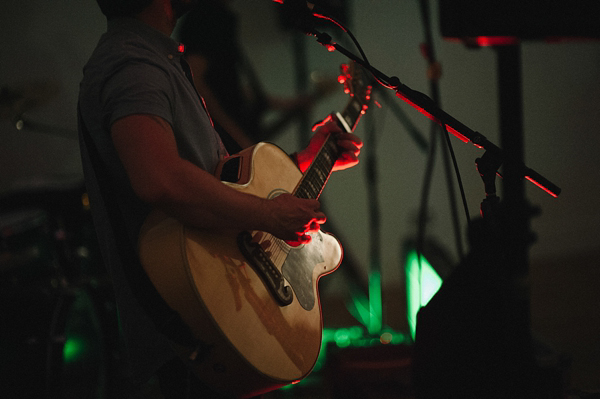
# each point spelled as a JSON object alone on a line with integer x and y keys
{"x": 315, "y": 177}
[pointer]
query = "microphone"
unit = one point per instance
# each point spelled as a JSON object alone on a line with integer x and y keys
{"x": 299, "y": 13}
{"x": 309, "y": 4}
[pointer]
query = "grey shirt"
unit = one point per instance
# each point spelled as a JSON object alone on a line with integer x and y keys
{"x": 137, "y": 70}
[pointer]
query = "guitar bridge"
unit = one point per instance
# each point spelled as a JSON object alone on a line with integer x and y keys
{"x": 265, "y": 268}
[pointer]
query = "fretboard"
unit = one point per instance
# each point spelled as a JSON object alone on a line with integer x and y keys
{"x": 317, "y": 174}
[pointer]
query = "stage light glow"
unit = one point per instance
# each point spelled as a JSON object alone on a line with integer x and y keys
{"x": 74, "y": 349}
{"x": 422, "y": 282}
{"x": 386, "y": 338}
{"x": 375, "y": 303}
{"x": 360, "y": 309}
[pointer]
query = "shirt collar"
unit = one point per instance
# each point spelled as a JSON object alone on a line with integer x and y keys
{"x": 163, "y": 43}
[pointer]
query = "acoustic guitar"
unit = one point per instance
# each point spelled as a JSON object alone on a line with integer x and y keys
{"x": 250, "y": 299}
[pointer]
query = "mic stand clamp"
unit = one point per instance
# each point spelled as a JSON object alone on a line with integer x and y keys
{"x": 488, "y": 166}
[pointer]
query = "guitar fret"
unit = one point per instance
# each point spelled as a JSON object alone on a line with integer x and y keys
{"x": 320, "y": 177}
{"x": 302, "y": 193}
{"x": 313, "y": 187}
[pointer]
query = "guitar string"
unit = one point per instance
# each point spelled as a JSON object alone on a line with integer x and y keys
{"x": 310, "y": 186}
{"x": 316, "y": 178}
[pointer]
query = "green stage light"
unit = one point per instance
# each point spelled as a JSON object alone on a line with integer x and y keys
{"x": 422, "y": 282}
{"x": 74, "y": 349}
{"x": 375, "y": 303}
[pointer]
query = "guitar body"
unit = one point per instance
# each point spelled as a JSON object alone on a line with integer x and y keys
{"x": 248, "y": 343}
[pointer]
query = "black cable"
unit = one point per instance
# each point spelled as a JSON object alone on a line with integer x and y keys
{"x": 348, "y": 32}
{"x": 452, "y": 195}
{"x": 457, "y": 173}
{"x": 429, "y": 54}
{"x": 393, "y": 83}
{"x": 427, "y": 178}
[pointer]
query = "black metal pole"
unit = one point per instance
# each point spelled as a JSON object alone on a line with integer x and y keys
{"x": 512, "y": 142}
{"x": 515, "y": 221}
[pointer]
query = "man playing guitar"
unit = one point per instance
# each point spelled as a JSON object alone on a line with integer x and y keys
{"x": 148, "y": 145}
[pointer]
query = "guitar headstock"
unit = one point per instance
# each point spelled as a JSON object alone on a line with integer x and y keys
{"x": 357, "y": 83}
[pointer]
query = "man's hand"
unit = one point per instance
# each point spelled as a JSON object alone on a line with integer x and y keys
{"x": 348, "y": 143}
{"x": 294, "y": 218}
{"x": 160, "y": 177}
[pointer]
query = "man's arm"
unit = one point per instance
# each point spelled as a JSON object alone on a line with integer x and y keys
{"x": 159, "y": 176}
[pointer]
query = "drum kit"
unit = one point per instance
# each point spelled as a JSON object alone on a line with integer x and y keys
{"x": 58, "y": 322}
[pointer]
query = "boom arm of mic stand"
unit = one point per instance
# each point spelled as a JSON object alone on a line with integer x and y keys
{"x": 427, "y": 107}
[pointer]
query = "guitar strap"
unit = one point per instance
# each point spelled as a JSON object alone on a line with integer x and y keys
{"x": 230, "y": 144}
{"x": 118, "y": 248}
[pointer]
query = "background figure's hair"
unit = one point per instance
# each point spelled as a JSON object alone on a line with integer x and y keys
{"x": 122, "y": 8}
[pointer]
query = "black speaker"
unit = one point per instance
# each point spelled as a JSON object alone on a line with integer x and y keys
{"x": 473, "y": 338}
{"x": 526, "y": 20}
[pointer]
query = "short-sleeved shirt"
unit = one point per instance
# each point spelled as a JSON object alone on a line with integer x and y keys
{"x": 136, "y": 69}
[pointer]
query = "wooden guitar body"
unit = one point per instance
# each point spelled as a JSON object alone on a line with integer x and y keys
{"x": 248, "y": 342}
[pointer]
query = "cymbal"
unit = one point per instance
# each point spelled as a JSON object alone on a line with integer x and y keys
{"x": 15, "y": 101}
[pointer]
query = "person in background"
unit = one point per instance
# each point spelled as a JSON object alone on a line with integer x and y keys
{"x": 225, "y": 78}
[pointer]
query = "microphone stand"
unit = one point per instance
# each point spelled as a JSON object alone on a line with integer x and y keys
{"x": 429, "y": 108}
{"x": 503, "y": 237}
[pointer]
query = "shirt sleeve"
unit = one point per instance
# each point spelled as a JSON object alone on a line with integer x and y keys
{"x": 137, "y": 88}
